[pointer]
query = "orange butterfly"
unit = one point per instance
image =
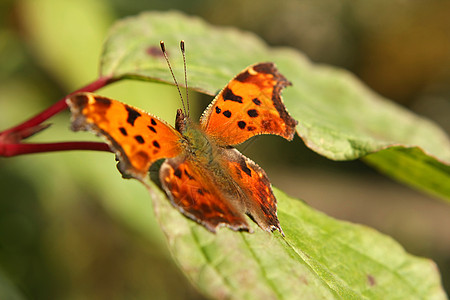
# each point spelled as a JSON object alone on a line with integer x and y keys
{"x": 207, "y": 179}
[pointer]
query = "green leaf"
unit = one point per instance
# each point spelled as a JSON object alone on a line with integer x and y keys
{"x": 7, "y": 289}
{"x": 339, "y": 118}
{"x": 320, "y": 258}
{"x": 414, "y": 167}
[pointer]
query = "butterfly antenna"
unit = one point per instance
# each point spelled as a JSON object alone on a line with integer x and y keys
{"x": 185, "y": 75}
{"x": 163, "y": 49}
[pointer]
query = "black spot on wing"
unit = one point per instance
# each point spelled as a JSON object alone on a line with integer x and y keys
{"x": 188, "y": 175}
{"x": 256, "y": 101}
{"x": 123, "y": 131}
{"x": 79, "y": 100}
{"x": 177, "y": 173}
{"x": 204, "y": 207}
{"x": 218, "y": 110}
{"x": 103, "y": 101}
{"x": 156, "y": 144}
{"x": 266, "y": 68}
{"x": 241, "y": 124}
{"x": 152, "y": 128}
{"x": 227, "y": 113}
{"x": 229, "y": 95}
{"x": 243, "y": 76}
{"x": 139, "y": 139}
{"x": 245, "y": 168}
{"x": 153, "y": 122}
{"x": 253, "y": 113}
{"x": 132, "y": 115}
{"x": 251, "y": 217}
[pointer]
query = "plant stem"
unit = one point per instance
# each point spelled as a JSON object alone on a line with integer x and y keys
{"x": 55, "y": 108}
{"x": 10, "y": 139}
{"x": 8, "y": 150}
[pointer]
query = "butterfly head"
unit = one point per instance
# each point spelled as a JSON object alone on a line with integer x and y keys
{"x": 180, "y": 121}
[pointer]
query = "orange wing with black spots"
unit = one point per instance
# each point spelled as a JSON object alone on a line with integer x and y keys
{"x": 193, "y": 192}
{"x": 249, "y": 105}
{"x": 260, "y": 202}
{"x": 138, "y": 138}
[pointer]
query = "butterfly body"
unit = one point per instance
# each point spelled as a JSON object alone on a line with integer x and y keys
{"x": 203, "y": 160}
{"x": 197, "y": 144}
{"x": 204, "y": 176}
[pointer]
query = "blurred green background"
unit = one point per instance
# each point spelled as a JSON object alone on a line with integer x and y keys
{"x": 71, "y": 228}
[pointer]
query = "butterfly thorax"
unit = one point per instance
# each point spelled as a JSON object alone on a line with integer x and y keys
{"x": 198, "y": 145}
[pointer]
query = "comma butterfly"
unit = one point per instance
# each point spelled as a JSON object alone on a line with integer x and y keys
{"x": 204, "y": 176}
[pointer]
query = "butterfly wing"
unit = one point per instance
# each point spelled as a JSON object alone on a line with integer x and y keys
{"x": 138, "y": 138}
{"x": 249, "y": 105}
{"x": 192, "y": 190}
{"x": 260, "y": 202}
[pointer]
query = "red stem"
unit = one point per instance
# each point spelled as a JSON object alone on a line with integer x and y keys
{"x": 17, "y": 149}
{"x": 56, "y": 108}
{"x": 10, "y": 139}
